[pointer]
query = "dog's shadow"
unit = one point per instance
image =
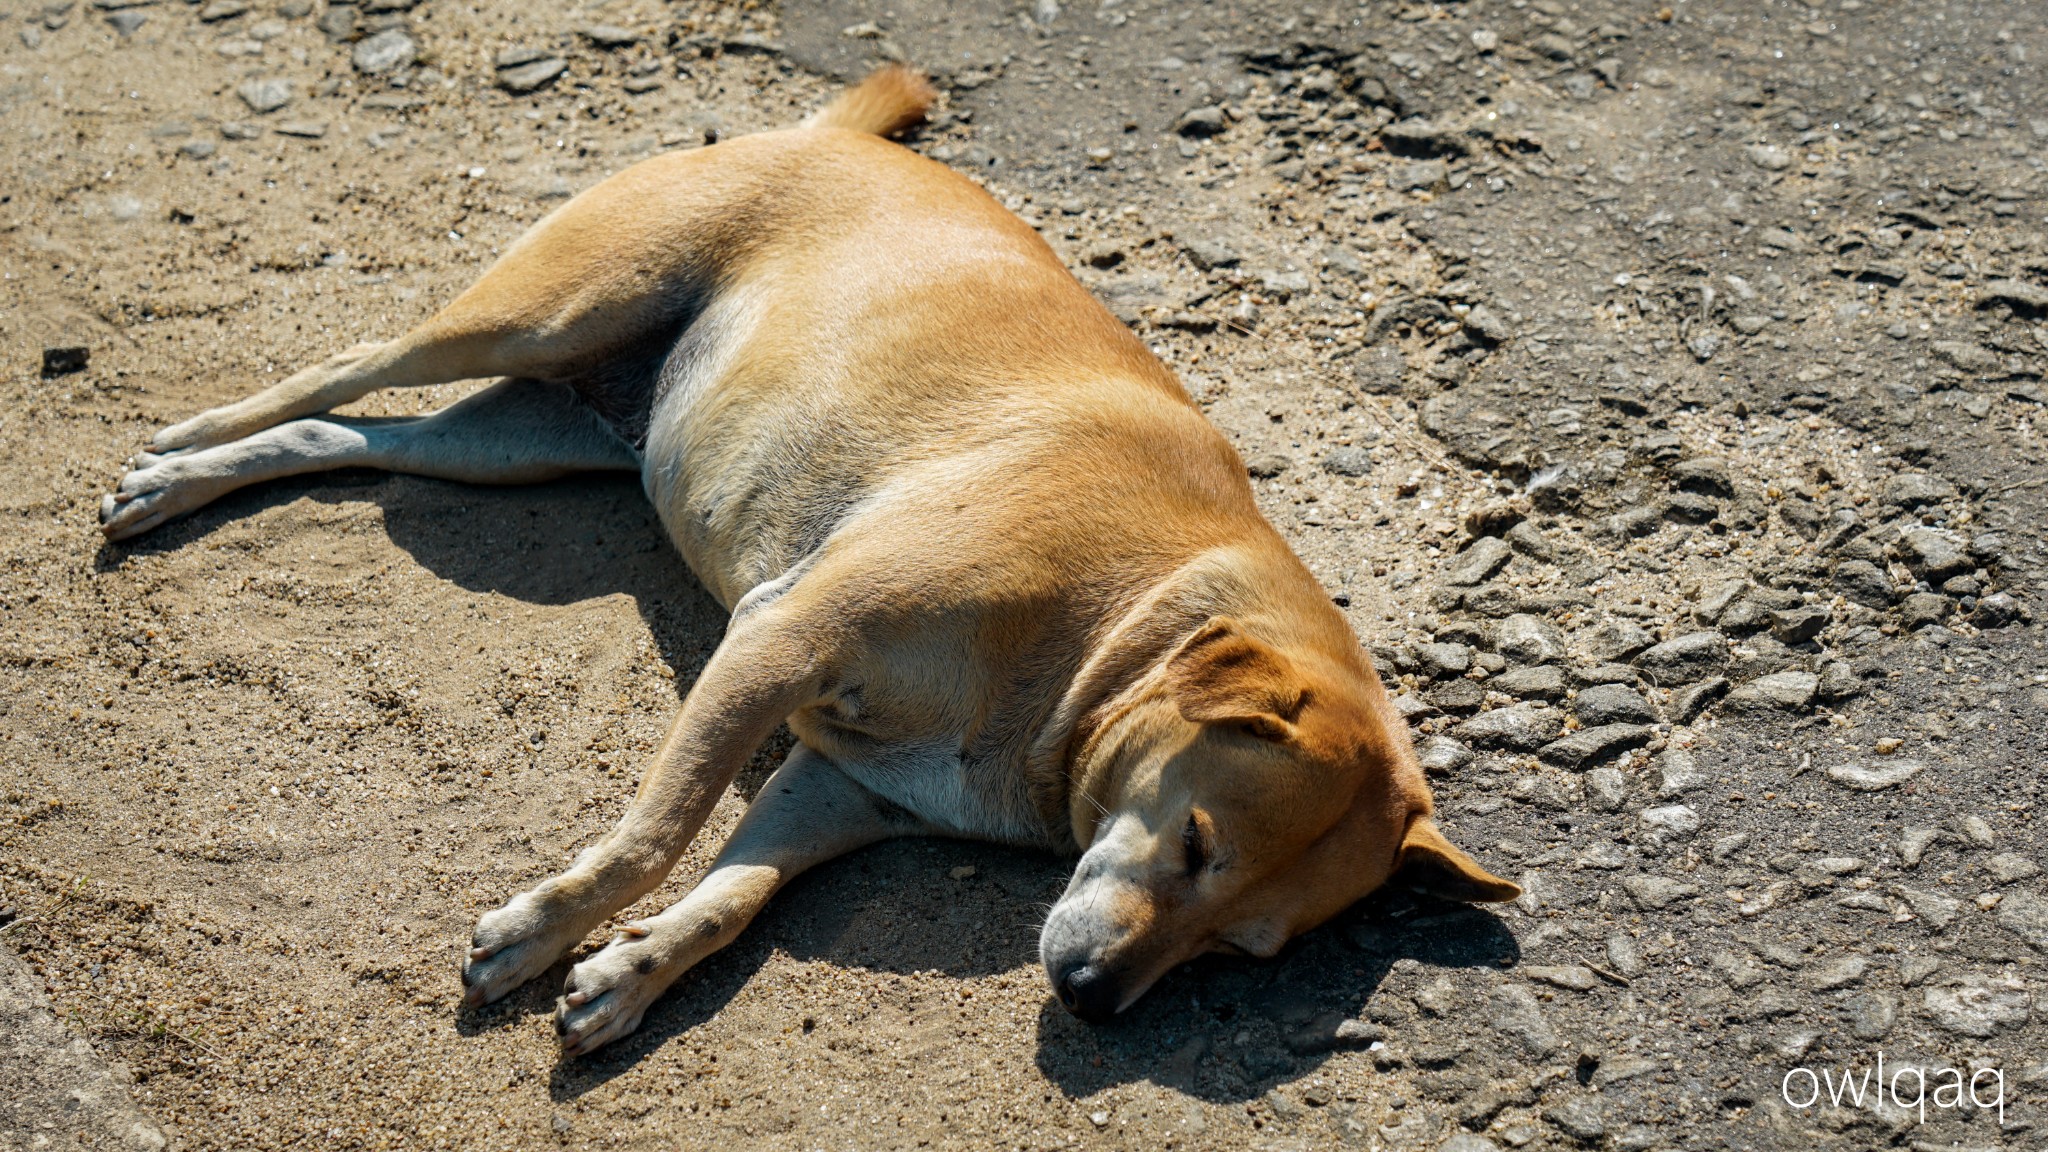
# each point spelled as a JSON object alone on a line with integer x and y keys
{"x": 1218, "y": 1029}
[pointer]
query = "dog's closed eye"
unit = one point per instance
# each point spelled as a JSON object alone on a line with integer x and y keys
{"x": 1195, "y": 853}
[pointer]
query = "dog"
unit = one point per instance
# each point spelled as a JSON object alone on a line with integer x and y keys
{"x": 998, "y": 574}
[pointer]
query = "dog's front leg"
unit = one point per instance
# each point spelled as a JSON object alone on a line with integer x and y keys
{"x": 807, "y": 813}
{"x": 769, "y": 665}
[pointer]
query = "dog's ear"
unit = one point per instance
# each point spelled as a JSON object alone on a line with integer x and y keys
{"x": 1434, "y": 866}
{"x": 1223, "y": 675}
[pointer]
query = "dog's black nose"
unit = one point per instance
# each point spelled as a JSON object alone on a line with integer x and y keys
{"x": 1088, "y": 992}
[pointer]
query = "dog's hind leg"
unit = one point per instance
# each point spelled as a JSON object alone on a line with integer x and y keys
{"x": 514, "y": 432}
{"x": 807, "y": 813}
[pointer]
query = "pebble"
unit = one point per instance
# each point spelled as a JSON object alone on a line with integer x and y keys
{"x": 2010, "y": 868}
{"x": 1606, "y": 789}
{"x": 1582, "y": 1118}
{"x": 127, "y": 21}
{"x": 1653, "y": 893}
{"x": 1934, "y": 554}
{"x": 387, "y": 51}
{"x": 1267, "y": 466}
{"x": 1207, "y": 254}
{"x": 1623, "y": 956}
{"x": 1936, "y": 911}
{"x": 1768, "y": 158}
{"x": 1978, "y": 1005}
{"x": 1542, "y": 682}
{"x": 1489, "y": 326}
{"x": 266, "y": 95}
{"x": 1441, "y": 755}
{"x": 64, "y": 360}
{"x": 1870, "y": 1015}
{"x": 1669, "y": 822}
{"x": 1783, "y": 691}
{"x": 1915, "y": 490}
{"x": 1839, "y": 973}
{"x": 1864, "y": 583}
{"x": 1875, "y": 775}
{"x": 2025, "y": 915}
{"x": 1479, "y": 562}
{"x": 1573, "y": 977}
{"x": 308, "y": 129}
{"x": 528, "y": 77}
{"x": 1526, "y": 639}
{"x": 222, "y": 10}
{"x": 1589, "y": 746}
{"x": 1689, "y": 702}
{"x": 1838, "y": 682}
{"x": 1208, "y": 120}
{"x": 1613, "y": 704}
{"x": 1467, "y": 1142}
{"x": 1519, "y": 728}
{"x": 610, "y": 35}
{"x": 1347, "y": 461}
{"x": 1514, "y": 1011}
{"x": 1615, "y": 640}
{"x": 1677, "y": 772}
{"x": 1684, "y": 659}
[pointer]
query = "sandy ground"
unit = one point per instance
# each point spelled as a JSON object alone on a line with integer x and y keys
{"x": 1549, "y": 331}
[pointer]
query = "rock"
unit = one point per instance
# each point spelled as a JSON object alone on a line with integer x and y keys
{"x": 1870, "y": 1016}
{"x": 2025, "y": 915}
{"x": 266, "y": 95}
{"x": 1796, "y": 626}
{"x": 1467, "y": 1142}
{"x": 1267, "y": 466}
{"x": 1332, "y": 1032}
{"x": 1768, "y": 158}
{"x": 1459, "y": 695}
{"x": 1780, "y": 691}
{"x": 127, "y": 21}
{"x": 1937, "y": 912}
{"x": 59, "y": 1091}
{"x": 1840, "y": 972}
{"x": 1615, "y": 640}
{"x": 1417, "y": 175}
{"x": 1441, "y": 755}
{"x": 1670, "y": 822}
{"x": 337, "y": 22}
{"x": 1541, "y": 682}
{"x": 1652, "y": 893}
{"x": 1684, "y": 659}
{"x": 64, "y": 360}
{"x": 1589, "y": 746}
{"x": 1514, "y": 1011}
{"x": 1488, "y": 326}
{"x": 1998, "y": 610}
{"x": 1581, "y": 1117}
{"x": 1207, "y": 254}
{"x": 1677, "y": 772}
{"x": 1208, "y": 120}
{"x": 1613, "y": 704}
{"x": 1606, "y": 789}
{"x": 610, "y": 35}
{"x": 1913, "y": 844}
{"x": 1978, "y": 1005}
{"x": 1875, "y": 775}
{"x": 1865, "y": 583}
{"x": 2017, "y": 293}
{"x": 1838, "y": 682}
{"x": 1573, "y": 977}
{"x": 2010, "y": 868}
{"x": 1689, "y": 702}
{"x": 1520, "y": 728}
{"x": 1442, "y": 661}
{"x": 1347, "y": 461}
{"x": 532, "y": 76}
{"x": 1623, "y": 956}
{"x": 1915, "y": 490}
{"x": 222, "y": 10}
{"x": 1526, "y": 639}
{"x": 387, "y": 51}
{"x": 1478, "y": 563}
{"x": 307, "y": 129}
{"x": 1705, "y": 476}
{"x": 1934, "y": 554}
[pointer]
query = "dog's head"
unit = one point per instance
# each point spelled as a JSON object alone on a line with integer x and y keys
{"x": 1248, "y": 795}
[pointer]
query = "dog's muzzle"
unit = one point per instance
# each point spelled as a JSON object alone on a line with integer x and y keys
{"x": 1088, "y": 992}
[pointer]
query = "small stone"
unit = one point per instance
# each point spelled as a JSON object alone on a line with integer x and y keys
{"x": 1976, "y": 830}
{"x": 222, "y": 10}
{"x": 1915, "y": 490}
{"x": 387, "y": 51}
{"x": 1839, "y": 973}
{"x": 1417, "y": 175}
{"x": 1520, "y": 728}
{"x": 2010, "y": 868}
{"x": 1796, "y": 626}
{"x": 62, "y": 361}
{"x": 1768, "y": 158}
{"x": 1676, "y": 772}
{"x": 2025, "y": 915}
{"x": 1782, "y": 691}
{"x": 266, "y": 95}
{"x": 1615, "y": 640}
{"x": 1347, "y": 461}
{"x": 1998, "y": 610}
{"x": 1467, "y": 1142}
{"x": 1208, "y": 120}
{"x": 1488, "y": 326}
{"x": 1865, "y": 583}
{"x": 963, "y": 872}
{"x": 1689, "y": 702}
{"x": 1652, "y": 893}
{"x": 1870, "y": 1016}
{"x": 1580, "y": 1118}
{"x": 1442, "y": 661}
{"x": 1623, "y": 956}
{"x": 1875, "y": 775}
{"x": 1705, "y": 476}
{"x": 1916, "y": 969}
{"x": 1208, "y": 254}
{"x": 1913, "y": 844}
{"x": 1934, "y": 910}
{"x": 308, "y": 129}
{"x": 1838, "y": 682}
{"x": 610, "y": 35}
{"x": 127, "y": 21}
{"x": 1613, "y": 704}
{"x": 1606, "y": 789}
{"x": 1479, "y": 562}
{"x": 1978, "y": 1005}
{"x": 1670, "y": 822}
{"x": 530, "y": 77}
{"x": 1267, "y": 466}
{"x": 1332, "y": 1032}
{"x": 1573, "y": 977}
{"x": 1441, "y": 755}
{"x": 1684, "y": 659}
{"x": 1589, "y": 746}
{"x": 1515, "y": 1012}
{"x": 1526, "y": 639}
{"x": 1934, "y": 554}
{"x": 1542, "y": 682}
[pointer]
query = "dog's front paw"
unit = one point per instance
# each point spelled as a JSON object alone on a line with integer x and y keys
{"x": 606, "y": 995}
{"x": 514, "y": 944}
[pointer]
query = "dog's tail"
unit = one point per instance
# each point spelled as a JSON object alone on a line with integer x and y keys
{"x": 888, "y": 101}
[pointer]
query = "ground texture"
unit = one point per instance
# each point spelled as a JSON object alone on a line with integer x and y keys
{"x": 1657, "y": 386}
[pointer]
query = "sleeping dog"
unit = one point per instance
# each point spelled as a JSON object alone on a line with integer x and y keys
{"x": 983, "y": 556}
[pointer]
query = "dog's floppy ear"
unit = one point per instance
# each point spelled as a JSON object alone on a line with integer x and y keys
{"x": 1434, "y": 866}
{"x": 1223, "y": 675}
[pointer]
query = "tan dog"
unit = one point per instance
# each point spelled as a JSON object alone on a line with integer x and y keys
{"x": 983, "y": 555}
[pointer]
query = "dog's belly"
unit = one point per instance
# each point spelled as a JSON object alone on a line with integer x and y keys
{"x": 930, "y": 780}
